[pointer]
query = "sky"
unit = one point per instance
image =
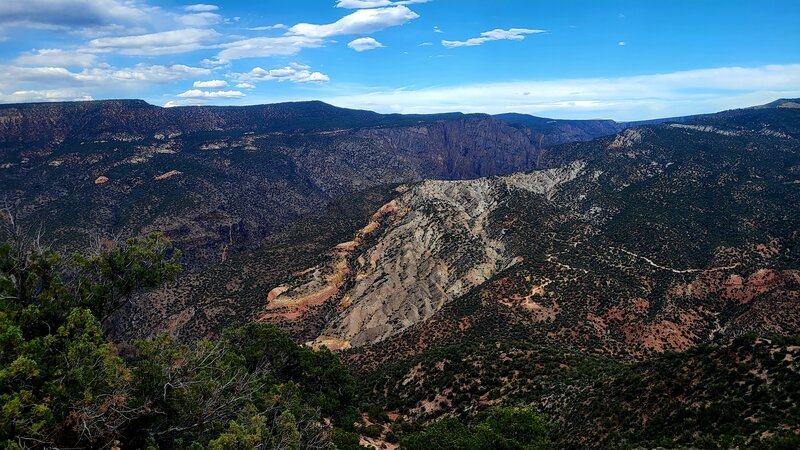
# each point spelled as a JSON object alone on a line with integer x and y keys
{"x": 578, "y": 59}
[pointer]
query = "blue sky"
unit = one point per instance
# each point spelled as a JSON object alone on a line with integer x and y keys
{"x": 568, "y": 59}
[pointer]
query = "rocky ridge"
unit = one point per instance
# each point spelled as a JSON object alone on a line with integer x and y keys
{"x": 433, "y": 243}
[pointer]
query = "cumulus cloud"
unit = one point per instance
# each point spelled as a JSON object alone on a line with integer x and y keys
{"x": 24, "y": 83}
{"x": 163, "y": 43}
{"x": 200, "y": 19}
{"x": 216, "y": 63}
{"x": 72, "y": 14}
{"x": 149, "y": 73}
{"x": 621, "y": 43}
{"x": 306, "y": 35}
{"x": 264, "y": 47}
{"x": 512, "y": 34}
{"x": 46, "y": 95}
{"x": 211, "y": 84}
{"x": 362, "y": 21}
{"x": 296, "y": 73}
{"x": 56, "y": 57}
{"x": 364, "y": 43}
{"x": 245, "y": 86}
{"x": 16, "y": 78}
{"x": 201, "y": 7}
{"x": 621, "y": 98}
{"x": 362, "y": 4}
{"x": 197, "y": 93}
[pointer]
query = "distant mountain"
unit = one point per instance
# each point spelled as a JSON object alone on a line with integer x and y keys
{"x": 781, "y": 103}
{"x": 548, "y": 132}
{"x": 47, "y": 122}
{"x": 219, "y": 179}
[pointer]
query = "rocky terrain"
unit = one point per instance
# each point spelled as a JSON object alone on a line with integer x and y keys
{"x": 638, "y": 283}
{"x": 218, "y": 180}
{"x": 434, "y": 243}
{"x": 659, "y": 238}
{"x": 740, "y": 395}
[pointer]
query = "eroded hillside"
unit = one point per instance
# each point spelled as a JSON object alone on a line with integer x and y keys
{"x": 659, "y": 238}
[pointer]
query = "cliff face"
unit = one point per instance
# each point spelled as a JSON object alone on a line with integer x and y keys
{"x": 245, "y": 172}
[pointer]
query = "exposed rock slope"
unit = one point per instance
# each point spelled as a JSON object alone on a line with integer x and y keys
{"x": 434, "y": 243}
{"x": 660, "y": 238}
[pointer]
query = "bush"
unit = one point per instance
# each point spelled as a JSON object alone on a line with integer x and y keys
{"x": 502, "y": 428}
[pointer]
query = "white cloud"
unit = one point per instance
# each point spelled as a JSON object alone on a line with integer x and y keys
{"x": 437, "y": 30}
{"x": 277, "y": 26}
{"x": 364, "y": 43}
{"x": 245, "y": 86}
{"x": 56, "y": 57}
{"x": 25, "y": 83}
{"x": 163, "y": 43}
{"x": 197, "y": 93}
{"x": 621, "y": 43}
{"x": 513, "y": 34}
{"x": 213, "y": 63}
{"x": 200, "y": 19}
{"x": 211, "y": 84}
{"x": 15, "y": 78}
{"x": 621, "y": 98}
{"x": 151, "y": 73}
{"x": 296, "y": 73}
{"x": 425, "y": 44}
{"x": 362, "y": 21}
{"x": 72, "y": 14}
{"x": 184, "y": 102}
{"x": 361, "y": 4}
{"x": 264, "y": 47}
{"x": 47, "y": 95}
{"x": 306, "y": 35}
{"x": 201, "y": 7}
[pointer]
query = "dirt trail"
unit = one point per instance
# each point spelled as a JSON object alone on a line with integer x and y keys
{"x": 671, "y": 269}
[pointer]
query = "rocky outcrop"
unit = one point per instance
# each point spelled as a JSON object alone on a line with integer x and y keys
{"x": 626, "y": 139}
{"x": 432, "y": 244}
